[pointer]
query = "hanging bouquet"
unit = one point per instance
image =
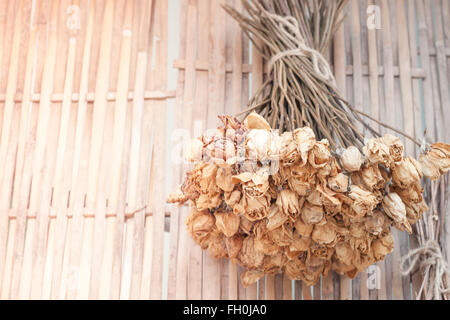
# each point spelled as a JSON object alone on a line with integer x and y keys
{"x": 296, "y": 187}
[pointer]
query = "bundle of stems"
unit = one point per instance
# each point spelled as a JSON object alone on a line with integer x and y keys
{"x": 299, "y": 89}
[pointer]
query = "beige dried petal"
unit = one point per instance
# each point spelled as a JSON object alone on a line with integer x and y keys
{"x": 406, "y": 172}
{"x": 301, "y": 179}
{"x": 377, "y": 152}
{"x": 363, "y": 201}
{"x": 395, "y": 146}
{"x": 257, "y": 208}
{"x": 436, "y": 161}
{"x": 245, "y": 226}
{"x": 248, "y": 256}
{"x": 303, "y": 229}
{"x": 250, "y": 277}
{"x": 381, "y": 247}
{"x": 255, "y": 121}
{"x": 414, "y": 211}
{"x": 200, "y": 224}
{"x": 193, "y": 150}
{"x": 312, "y": 214}
{"x": 288, "y": 203}
{"x": 232, "y": 198}
{"x": 413, "y": 193}
{"x": 254, "y": 185}
{"x": 319, "y": 155}
{"x": 224, "y": 178}
{"x": 257, "y": 144}
{"x": 208, "y": 201}
{"x": 351, "y": 159}
{"x": 376, "y": 222}
{"x": 338, "y": 183}
{"x": 324, "y": 234}
{"x": 395, "y": 208}
{"x": 276, "y": 218}
{"x": 344, "y": 252}
{"x": 305, "y": 140}
{"x": 294, "y": 269}
{"x": 372, "y": 178}
{"x": 216, "y": 245}
{"x": 227, "y": 222}
{"x": 263, "y": 242}
{"x": 177, "y": 197}
{"x": 300, "y": 244}
{"x": 234, "y": 245}
{"x": 282, "y": 236}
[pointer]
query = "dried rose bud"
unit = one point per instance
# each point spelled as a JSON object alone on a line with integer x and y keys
{"x": 276, "y": 218}
{"x": 377, "y": 152}
{"x": 234, "y": 245}
{"x": 319, "y": 156}
{"x": 288, "y": 203}
{"x": 250, "y": 277}
{"x": 338, "y": 183}
{"x": 414, "y": 211}
{"x": 257, "y": 144}
{"x": 395, "y": 146}
{"x": 305, "y": 139}
{"x": 344, "y": 252}
{"x": 302, "y": 228}
{"x": 352, "y": 159}
{"x": 200, "y": 224}
{"x": 381, "y": 247}
{"x": 372, "y": 178}
{"x": 254, "y": 185}
{"x": 289, "y": 153}
{"x": 194, "y": 150}
{"x": 395, "y": 208}
{"x": 312, "y": 214}
{"x": 376, "y": 222}
{"x": 255, "y": 121}
{"x": 249, "y": 256}
{"x": 406, "y": 172}
{"x": 223, "y": 178}
{"x": 227, "y": 222}
{"x": 436, "y": 161}
{"x": 324, "y": 234}
{"x": 363, "y": 201}
{"x": 257, "y": 208}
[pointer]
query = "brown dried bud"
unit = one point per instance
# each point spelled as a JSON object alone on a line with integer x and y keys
{"x": 320, "y": 155}
{"x": 312, "y": 214}
{"x": 227, "y": 222}
{"x": 352, "y": 159}
{"x": 377, "y": 152}
{"x": 406, "y": 172}
{"x": 395, "y": 146}
{"x": 395, "y": 208}
{"x": 381, "y": 247}
{"x": 194, "y": 150}
{"x": 363, "y": 201}
{"x": 338, "y": 183}
{"x": 436, "y": 161}
{"x": 250, "y": 277}
{"x": 288, "y": 203}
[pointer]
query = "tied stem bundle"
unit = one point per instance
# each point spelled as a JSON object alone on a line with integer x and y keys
{"x": 300, "y": 89}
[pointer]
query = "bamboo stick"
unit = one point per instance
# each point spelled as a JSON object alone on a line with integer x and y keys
{"x": 177, "y": 273}
{"x": 82, "y": 138}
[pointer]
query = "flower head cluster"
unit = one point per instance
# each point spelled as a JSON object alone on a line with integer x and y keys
{"x": 283, "y": 203}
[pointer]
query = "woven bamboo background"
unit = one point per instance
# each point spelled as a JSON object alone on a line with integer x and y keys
{"x": 85, "y": 149}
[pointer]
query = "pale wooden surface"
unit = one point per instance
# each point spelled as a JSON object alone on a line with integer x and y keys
{"x": 85, "y": 126}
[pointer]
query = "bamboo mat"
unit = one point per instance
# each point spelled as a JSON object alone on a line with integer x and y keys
{"x": 89, "y": 129}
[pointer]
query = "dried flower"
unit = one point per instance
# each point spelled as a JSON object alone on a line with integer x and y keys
{"x": 436, "y": 161}
{"x": 250, "y": 277}
{"x": 352, "y": 159}
{"x": 406, "y": 172}
{"x": 288, "y": 203}
{"x": 227, "y": 222}
{"x": 363, "y": 201}
{"x": 338, "y": 183}
{"x": 395, "y": 208}
{"x": 377, "y": 152}
{"x": 257, "y": 144}
{"x": 395, "y": 146}
{"x": 194, "y": 150}
{"x": 312, "y": 214}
